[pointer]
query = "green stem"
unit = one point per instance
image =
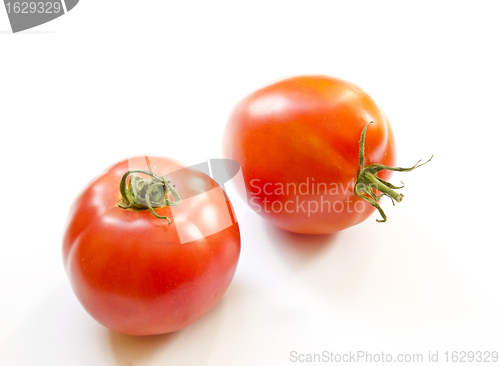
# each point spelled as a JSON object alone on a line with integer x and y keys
{"x": 368, "y": 182}
{"x": 141, "y": 193}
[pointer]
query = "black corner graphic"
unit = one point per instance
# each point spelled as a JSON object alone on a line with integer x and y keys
{"x": 26, "y": 14}
{"x": 70, "y": 4}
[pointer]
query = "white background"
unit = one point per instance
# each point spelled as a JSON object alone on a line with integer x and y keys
{"x": 112, "y": 79}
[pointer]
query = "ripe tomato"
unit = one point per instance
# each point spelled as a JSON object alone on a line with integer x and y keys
{"x": 134, "y": 271}
{"x": 299, "y": 145}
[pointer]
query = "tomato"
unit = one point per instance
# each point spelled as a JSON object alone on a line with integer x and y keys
{"x": 306, "y": 166}
{"x": 147, "y": 271}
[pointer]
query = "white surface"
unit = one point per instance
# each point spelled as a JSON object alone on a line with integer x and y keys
{"x": 118, "y": 78}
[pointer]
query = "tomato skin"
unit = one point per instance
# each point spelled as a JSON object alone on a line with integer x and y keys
{"x": 129, "y": 269}
{"x": 306, "y": 130}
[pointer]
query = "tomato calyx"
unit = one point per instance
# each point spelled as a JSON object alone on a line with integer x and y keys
{"x": 146, "y": 193}
{"x": 367, "y": 181}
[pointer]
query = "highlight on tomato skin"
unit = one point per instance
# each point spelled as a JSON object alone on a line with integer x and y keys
{"x": 143, "y": 271}
{"x": 316, "y": 154}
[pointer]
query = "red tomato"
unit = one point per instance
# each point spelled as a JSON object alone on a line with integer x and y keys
{"x": 298, "y": 144}
{"x": 134, "y": 272}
